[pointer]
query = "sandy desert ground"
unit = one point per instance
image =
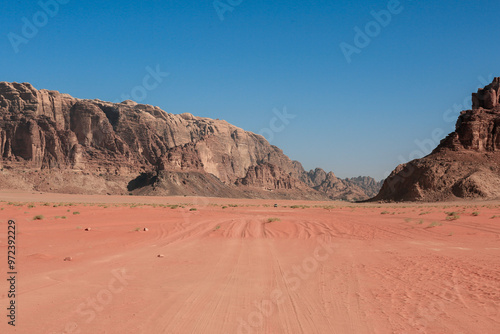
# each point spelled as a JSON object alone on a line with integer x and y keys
{"x": 244, "y": 266}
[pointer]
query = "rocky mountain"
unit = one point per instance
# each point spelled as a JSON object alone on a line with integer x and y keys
{"x": 53, "y": 142}
{"x": 349, "y": 189}
{"x": 368, "y": 185}
{"x": 466, "y": 164}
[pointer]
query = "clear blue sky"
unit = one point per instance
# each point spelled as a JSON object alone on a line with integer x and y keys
{"x": 357, "y": 118}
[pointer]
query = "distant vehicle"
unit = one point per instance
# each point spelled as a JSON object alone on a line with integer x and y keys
{"x": 275, "y": 205}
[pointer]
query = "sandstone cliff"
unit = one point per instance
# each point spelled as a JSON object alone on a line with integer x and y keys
{"x": 466, "y": 164}
{"x": 53, "y": 142}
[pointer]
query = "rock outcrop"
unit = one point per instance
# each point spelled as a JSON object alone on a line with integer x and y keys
{"x": 466, "y": 164}
{"x": 487, "y": 97}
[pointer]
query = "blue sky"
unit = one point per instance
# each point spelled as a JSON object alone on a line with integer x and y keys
{"x": 390, "y": 103}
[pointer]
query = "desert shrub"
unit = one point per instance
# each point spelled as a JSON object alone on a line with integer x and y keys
{"x": 299, "y": 206}
{"x": 434, "y": 224}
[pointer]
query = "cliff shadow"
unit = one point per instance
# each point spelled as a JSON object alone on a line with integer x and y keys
{"x": 143, "y": 180}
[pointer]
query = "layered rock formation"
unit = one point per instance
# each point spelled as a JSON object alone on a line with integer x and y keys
{"x": 54, "y": 142}
{"x": 466, "y": 164}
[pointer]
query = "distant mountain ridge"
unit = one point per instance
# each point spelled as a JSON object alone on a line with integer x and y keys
{"x": 349, "y": 189}
{"x": 53, "y": 142}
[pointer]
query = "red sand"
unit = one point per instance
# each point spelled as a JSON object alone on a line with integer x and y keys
{"x": 348, "y": 269}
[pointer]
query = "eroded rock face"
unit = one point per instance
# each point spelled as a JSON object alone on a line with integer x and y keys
{"x": 270, "y": 177}
{"x": 131, "y": 144}
{"x": 40, "y": 128}
{"x": 487, "y": 97}
{"x": 477, "y": 130}
{"x": 466, "y": 164}
{"x": 180, "y": 158}
{"x": 47, "y": 130}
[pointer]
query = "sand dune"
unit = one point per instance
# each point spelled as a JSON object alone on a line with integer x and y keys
{"x": 326, "y": 269}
